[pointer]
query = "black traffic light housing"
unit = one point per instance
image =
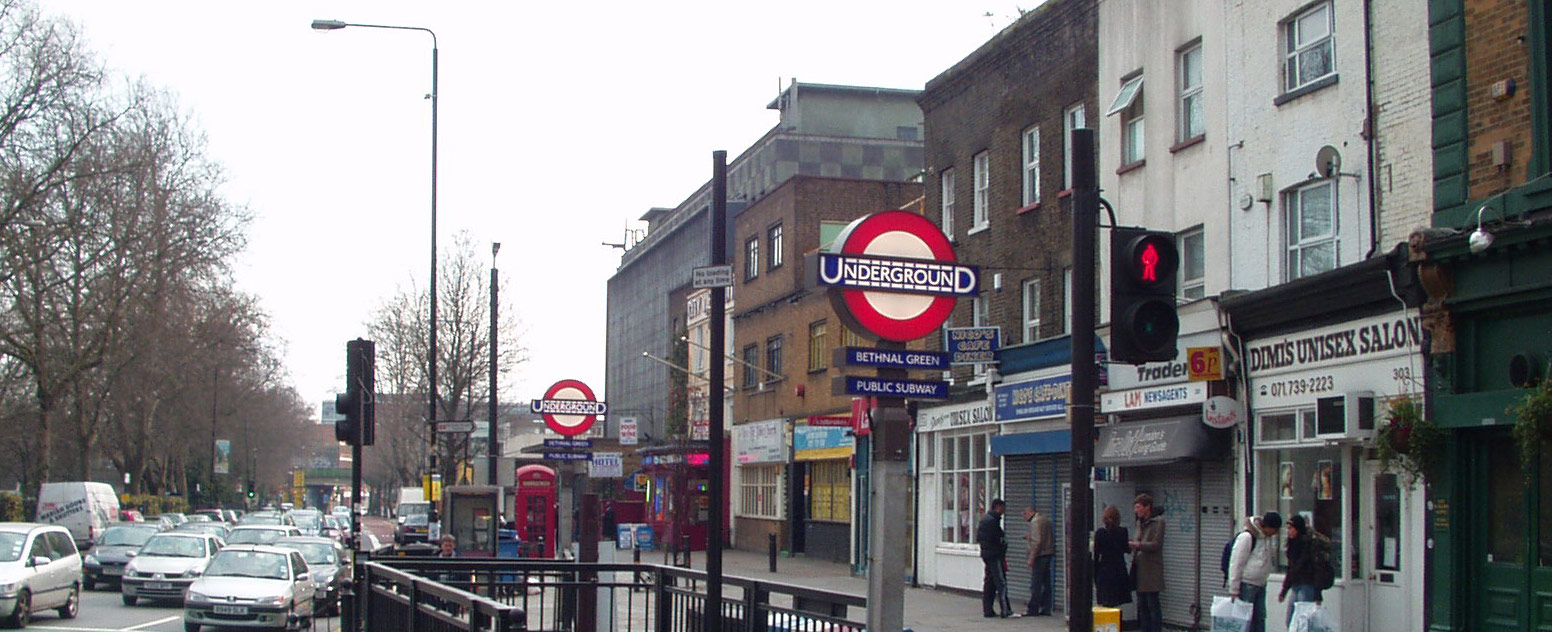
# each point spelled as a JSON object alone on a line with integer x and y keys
{"x": 358, "y": 403}
{"x": 1143, "y": 322}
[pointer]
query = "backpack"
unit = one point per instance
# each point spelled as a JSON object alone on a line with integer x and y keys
{"x": 1228, "y": 551}
{"x": 1325, "y": 573}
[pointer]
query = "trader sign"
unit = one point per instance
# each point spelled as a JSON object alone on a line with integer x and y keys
{"x": 893, "y": 275}
{"x": 569, "y": 407}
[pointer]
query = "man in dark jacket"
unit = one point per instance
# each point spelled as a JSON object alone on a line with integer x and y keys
{"x": 994, "y": 555}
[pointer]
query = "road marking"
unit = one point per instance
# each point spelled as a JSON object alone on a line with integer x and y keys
{"x": 151, "y": 623}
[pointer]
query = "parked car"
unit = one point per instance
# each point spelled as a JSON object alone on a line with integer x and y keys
{"x": 260, "y": 533}
{"x": 105, "y": 563}
{"x": 83, "y": 508}
{"x": 166, "y": 565}
{"x": 310, "y": 521}
{"x": 329, "y": 564}
{"x": 252, "y": 586}
{"x": 218, "y": 529}
{"x": 40, "y": 569}
{"x": 414, "y": 528}
{"x": 264, "y": 518}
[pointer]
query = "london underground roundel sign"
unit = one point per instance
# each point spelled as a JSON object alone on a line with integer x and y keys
{"x": 569, "y": 407}
{"x": 893, "y": 275}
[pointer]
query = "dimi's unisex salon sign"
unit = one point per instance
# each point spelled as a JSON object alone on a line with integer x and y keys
{"x": 1349, "y": 342}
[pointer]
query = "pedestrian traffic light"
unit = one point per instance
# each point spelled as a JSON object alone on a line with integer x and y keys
{"x": 357, "y": 404}
{"x": 1143, "y": 322}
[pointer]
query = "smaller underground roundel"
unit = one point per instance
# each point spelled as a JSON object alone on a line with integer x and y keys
{"x": 569, "y": 407}
{"x": 893, "y": 276}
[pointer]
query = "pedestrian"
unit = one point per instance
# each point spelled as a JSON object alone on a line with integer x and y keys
{"x": 609, "y": 522}
{"x": 1304, "y": 547}
{"x": 1148, "y": 564}
{"x": 1041, "y": 547}
{"x": 994, "y": 556}
{"x": 447, "y": 546}
{"x": 1111, "y": 585}
{"x": 1250, "y": 563}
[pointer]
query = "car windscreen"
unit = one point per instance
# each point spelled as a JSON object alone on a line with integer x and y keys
{"x": 313, "y": 552}
{"x": 417, "y": 520}
{"x": 172, "y": 546}
{"x": 306, "y": 522}
{"x": 254, "y": 536}
{"x": 230, "y": 563}
{"x": 11, "y": 546}
{"x": 126, "y": 536}
{"x": 261, "y": 520}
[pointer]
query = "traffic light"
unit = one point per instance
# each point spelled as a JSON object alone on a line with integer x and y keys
{"x": 358, "y": 403}
{"x": 1143, "y": 323}
{"x": 250, "y": 489}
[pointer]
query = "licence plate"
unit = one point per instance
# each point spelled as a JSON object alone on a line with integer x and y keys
{"x": 230, "y": 609}
{"x": 158, "y": 586}
{"x": 113, "y": 570}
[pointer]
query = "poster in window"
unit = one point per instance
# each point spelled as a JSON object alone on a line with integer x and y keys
{"x": 1285, "y": 475}
{"x": 1325, "y": 475}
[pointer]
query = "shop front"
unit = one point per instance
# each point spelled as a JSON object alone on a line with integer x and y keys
{"x": 957, "y": 480}
{"x": 1034, "y": 448}
{"x": 760, "y": 451}
{"x": 678, "y": 499}
{"x": 822, "y": 456}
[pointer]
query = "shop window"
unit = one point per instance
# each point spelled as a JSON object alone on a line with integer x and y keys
{"x": 830, "y": 491}
{"x": 1307, "y": 481}
{"x": 759, "y": 492}
{"x": 967, "y": 479}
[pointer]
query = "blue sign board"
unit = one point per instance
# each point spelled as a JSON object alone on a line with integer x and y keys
{"x": 568, "y": 456}
{"x": 570, "y": 444}
{"x": 972, "y": 345}
{"x": 1036, "y": 398}
{"x": 896, "y": 359}
{"x": 915, "y": 389}
{"x": 821, "y": 438}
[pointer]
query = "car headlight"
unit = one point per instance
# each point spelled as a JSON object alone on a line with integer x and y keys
{"x": 193, "y": 572}
{"x": 9, "y": 588}
{"x": 269, "y": 601}
{"x": 196, "y": 596}
{"x": 91, "y": 560}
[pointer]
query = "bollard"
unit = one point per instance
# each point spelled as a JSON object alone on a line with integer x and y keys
{"x": 347, "y": 607}
{"x": 771, "y": 539}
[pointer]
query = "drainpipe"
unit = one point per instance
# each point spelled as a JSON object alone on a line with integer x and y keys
{"x": 1373, "y": 127}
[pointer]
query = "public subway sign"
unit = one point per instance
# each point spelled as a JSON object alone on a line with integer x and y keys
{"x": 1355, "y": 341}
{"x": 569, "y": 407}
{"x": 880, "y": 387}
{"x": 893, "y": 276}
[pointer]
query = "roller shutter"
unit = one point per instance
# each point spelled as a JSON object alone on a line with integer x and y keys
{"x": 1197, "y": 500}
{"x": 1019, "y": 491}
{"x": 1050, "y": 478}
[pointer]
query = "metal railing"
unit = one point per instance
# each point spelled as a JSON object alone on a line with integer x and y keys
{"x": 393, "y": 600}
{"x": 558, "y": 596}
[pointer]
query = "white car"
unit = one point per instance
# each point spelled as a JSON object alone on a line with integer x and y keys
{"x": 252, "y": 587}
{"x": 260, "y": 533}
{"x": 166, "y": 565}
{"x": 40, "y": 569}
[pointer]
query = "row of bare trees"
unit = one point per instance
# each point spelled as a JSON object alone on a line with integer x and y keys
{"x": 124, "y": 346}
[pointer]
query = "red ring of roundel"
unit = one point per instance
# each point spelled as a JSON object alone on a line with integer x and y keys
{"x": 587, "y": 420}
{"x": 885, "y": 327}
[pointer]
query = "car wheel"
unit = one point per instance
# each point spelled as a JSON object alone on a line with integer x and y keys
{"x": 129, "y": 600}
{"x": 23, "y": 614}
{"x": 72, "y": 605}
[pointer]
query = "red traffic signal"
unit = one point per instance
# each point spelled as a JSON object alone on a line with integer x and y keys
{"x": 1143, "y": 322}
{"x": 1151, "y": 259}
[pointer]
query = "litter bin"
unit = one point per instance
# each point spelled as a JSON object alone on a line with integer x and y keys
{"x": 1107, "y": 619}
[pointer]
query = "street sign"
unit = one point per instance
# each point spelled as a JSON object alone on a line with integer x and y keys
{"x": 853, "y": 385}
{"x": 629, "y": 432}
{"x": 568, "y": 456}
{"x": 570, "y": 444}
{"x": 891, "y": 358}
{"x": 454, "y": 427}
{"x": 712, "y": 276}
{"x": 972, "y": 345}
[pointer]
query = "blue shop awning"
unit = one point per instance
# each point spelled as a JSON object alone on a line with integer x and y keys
{"x": 1048, "y": 442}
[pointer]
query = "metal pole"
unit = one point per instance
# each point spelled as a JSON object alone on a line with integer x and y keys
{"x": 431, "y": 354}
{"x": 215, "y": 392}
{"x": 1080, "y": 405}
{"x": 713, "y": 610}
{"x": 890, "y": 437}
{"x": 492, "y": 441}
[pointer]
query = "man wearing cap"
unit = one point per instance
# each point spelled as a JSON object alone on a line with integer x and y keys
{"x": 1251, "y": 561}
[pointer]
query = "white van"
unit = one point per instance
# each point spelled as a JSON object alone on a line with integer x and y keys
{"x": 85, "y": 508}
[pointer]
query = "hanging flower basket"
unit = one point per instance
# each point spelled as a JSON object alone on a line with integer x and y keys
{"x": 1533, "y": 432}
{"x": 1409, "y": 443}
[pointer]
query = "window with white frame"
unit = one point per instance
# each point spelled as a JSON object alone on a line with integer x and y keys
{"x": 1193, "y": 269}
{"x": 979, "y": 318}
{"x": 752, "y": 258}
{"x": 1189, "y": 68}
{"x": 946, "y": 201}
{"x": 1128, "y": 104}
{"x": 1309, "y": 48}
{"x": 759, "y": 491}
{"x": 983, "y": 190}
{"x": 1031, "y": 142}
{"x": 1074, "y": 118}
{"x": 1031, "y": 310}
{"x": 774, "y": 235}
{"x": 1298, "y": 474}
{"x": 968, "y": 480}
{"x": 1312, "y": 229}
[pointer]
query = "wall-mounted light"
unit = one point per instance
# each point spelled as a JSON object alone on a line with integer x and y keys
{"x": 1480, "y": 239}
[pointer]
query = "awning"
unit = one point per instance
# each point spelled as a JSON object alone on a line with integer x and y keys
{"x": 1156, "y": 442}
{"x": 1047, "y": 442}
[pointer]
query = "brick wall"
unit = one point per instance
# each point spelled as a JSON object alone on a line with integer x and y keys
{"x": 1495, "y": 51}
{"x": 1402, "y": 120}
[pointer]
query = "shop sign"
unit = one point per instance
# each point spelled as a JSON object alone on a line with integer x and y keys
{"x": 1045, "y": 397}
{"x": 607, "y": 465}
{"x": 1156, "y": 397}
{"x": 629, "y": 431}
{"x": 636, "y": 482}
{"x": 972, "y": 345}
{"x": 1301, "y": 388}
{"x": 700, "y": 429}
{"x": 893, "y": 276}
{"x": 760, "y": 442}
{"x": 955, "y": 416}
{"x": 1356, "y": 341}
{"x": 1222, "y": 412}
{"x": 843, "y": 421}
{"x": 1126, "y": 377}
{"x": 1152, "y": 442}
{"x": 810, "y": 443}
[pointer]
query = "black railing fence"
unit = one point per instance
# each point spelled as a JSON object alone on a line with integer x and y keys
{"x": 559, "y": 596}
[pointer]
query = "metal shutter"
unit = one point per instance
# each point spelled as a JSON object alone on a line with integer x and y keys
{"x": 1051, "y": 474}
{"x": 1198, "y": 502}
{"x": 1219, "y": 522}
{"x": 1019, "y": 491}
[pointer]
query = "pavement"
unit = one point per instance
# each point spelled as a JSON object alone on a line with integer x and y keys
{"x": 926, "y": 609}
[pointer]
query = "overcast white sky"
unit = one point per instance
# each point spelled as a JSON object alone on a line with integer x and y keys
{"x": 561, "y": 123}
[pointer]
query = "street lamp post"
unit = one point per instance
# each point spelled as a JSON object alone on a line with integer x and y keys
{"x": 492, "y": 441}
{"x": 431, "y": 355}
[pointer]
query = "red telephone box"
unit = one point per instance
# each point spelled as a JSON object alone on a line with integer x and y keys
{"x": 533, "y": 509}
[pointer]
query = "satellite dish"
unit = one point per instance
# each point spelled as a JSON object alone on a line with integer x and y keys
{"x": 1328, "y": 162}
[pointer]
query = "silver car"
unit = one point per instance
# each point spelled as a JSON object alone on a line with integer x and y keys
{"x": 260, "y": 533}
{"x": 40, "y": 569}
{"x": 253, "y": 587}
{"x": 106, "y": 559}
{"x": 166, "y": 565}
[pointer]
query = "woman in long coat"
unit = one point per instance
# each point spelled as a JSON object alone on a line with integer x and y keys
{"x": 1112, "y": 587}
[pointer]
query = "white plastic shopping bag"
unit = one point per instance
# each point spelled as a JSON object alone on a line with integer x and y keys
{"x": 1309, "y": 616}
{"x": 1230, "y": 615}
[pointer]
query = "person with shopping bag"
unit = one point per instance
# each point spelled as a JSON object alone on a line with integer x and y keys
{"x": 1251, "y": 562}
{"x": 1307, "y": 550}
{"x": 1230, "y": 614}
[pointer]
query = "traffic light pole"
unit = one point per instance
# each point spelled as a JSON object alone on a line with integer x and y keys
{"x": 1080, "y": 403}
